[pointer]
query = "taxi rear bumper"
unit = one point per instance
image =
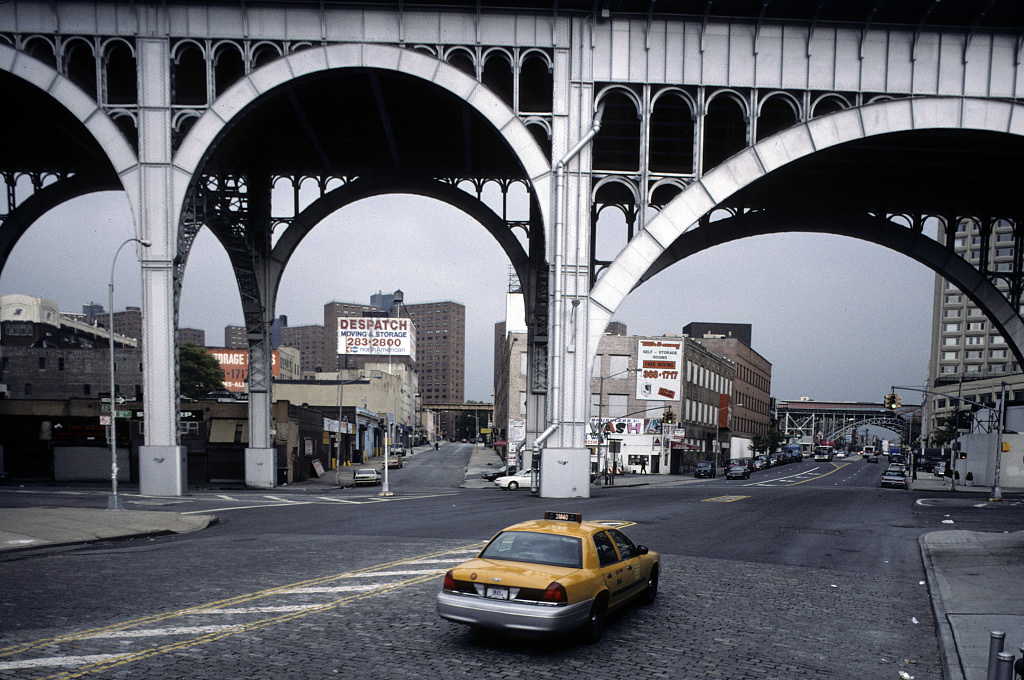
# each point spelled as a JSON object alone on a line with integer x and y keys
{"x": 482, "y": 612}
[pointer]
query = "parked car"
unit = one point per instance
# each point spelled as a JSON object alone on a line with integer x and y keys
{"x": 514, "y": 481}
{"x": 705, "y": 468}
{"x": 503, "y": 471}
{"x": 895, "y": 476}
{"x": 366, "y": 476}
{"x": 737, "y": 472}
{"x": 940, "y": 469}
{"x": 549, "y": 577}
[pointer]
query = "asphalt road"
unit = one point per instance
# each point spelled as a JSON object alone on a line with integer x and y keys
{"x": 805, "y": 571}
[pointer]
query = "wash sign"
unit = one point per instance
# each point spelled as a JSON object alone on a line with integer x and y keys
{"x": 376, "y": 336}
{"x": 659, "y": 375}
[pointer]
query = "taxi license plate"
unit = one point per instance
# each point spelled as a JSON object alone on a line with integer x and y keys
{"x": 496, "y": 592}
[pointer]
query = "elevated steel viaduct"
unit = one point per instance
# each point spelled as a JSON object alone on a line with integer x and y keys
{"x": 816, "y": 421}
{"x": 651, "y": 130}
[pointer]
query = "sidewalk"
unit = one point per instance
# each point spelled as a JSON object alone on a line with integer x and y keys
{"x": 975, "y": 579}
{"x": 976, "y": 582}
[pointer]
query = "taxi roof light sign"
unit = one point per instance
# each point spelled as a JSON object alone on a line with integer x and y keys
{"x": 563, "y": 516}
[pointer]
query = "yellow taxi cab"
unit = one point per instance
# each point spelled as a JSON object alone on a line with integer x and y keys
{"x": 555, "y": 575}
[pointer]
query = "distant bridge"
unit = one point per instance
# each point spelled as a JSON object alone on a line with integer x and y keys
{"x": 832, "y": 420}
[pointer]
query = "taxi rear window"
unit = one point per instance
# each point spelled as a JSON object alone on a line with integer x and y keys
{"x": 528, "y": 546}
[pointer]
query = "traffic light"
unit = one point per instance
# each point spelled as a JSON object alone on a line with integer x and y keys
{"x": 668, "y": 416}
{"x": 897, "y": 401}
{"x": 888, "y": 400}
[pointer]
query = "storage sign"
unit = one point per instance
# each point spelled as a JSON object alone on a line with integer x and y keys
{"x": 376, "y": 336}
{"x": 659, "y": 375}
{"x": 235, "y": 363}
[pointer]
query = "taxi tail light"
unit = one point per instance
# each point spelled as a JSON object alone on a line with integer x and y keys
{"x": 555, "y": 594}
{"x": 449, "y": 581}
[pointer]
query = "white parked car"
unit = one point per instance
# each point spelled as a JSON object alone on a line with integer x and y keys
{"x": 513, "y": 482}
{"x": 366, "y": 476}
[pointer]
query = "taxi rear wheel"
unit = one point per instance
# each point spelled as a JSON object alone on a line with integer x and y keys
{"x": 652, "y": 587}
{"x": 594, "y": 626}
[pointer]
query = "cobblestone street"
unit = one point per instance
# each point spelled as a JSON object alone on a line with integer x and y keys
{"x": 712, "y": 619}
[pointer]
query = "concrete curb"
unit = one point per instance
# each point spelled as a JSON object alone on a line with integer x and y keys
{"x": 30, "y": 528}
{"x": 948, "y": 655}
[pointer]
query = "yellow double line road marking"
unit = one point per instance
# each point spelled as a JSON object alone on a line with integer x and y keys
{"x": 122, "y": 659}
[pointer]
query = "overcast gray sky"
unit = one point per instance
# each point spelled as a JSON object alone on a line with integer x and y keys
{"x": 839, "y": 319}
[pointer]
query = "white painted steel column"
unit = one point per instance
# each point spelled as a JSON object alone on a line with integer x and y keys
{"x": 565, "y": 464}
{"x": 162, "y": 463}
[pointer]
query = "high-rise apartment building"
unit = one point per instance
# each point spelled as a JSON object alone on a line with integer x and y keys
{"x": 970, "y": 359}
{"x": 332, "y": 312}
{"x": 310, "y": 341}
{"x": 440, "y": 350}
{"x": 196, "y": 336}
{"x": 127, "y": 322}
{"x": 234, "y": 337}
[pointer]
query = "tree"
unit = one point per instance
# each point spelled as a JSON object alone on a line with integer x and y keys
{"x": 945, "y": 433}
{"x": 760, "y": 443}
{"x": 199, "y": 371}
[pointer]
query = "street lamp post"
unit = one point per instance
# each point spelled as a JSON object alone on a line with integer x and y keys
{"x": 416, "y": 423}
{"x": 719, "y": 428}
{"x": 341, "y": 389}
{"x": 602, "y": 445}
{"x": 476, "y": 438}
{"x": 114, "y": 501}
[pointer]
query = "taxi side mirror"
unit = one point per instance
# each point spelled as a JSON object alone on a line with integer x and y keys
{"x": 642, "y": 550}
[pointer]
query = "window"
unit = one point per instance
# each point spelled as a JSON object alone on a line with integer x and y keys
{"x": 626, "y": 547}
{"x": 950, "y": 342}
{"x": 42, "y": 363}
{"x": 975, "y": 340}
{"x": 954, "y": 299}
{"x": 617, "y": 363}
{"x": 616, "y": 405}
{"x": 605, "y": 549}
{"x": 976, "y": 326}
{"x": 950, "y": 356}
{"x": 951, "y": 313}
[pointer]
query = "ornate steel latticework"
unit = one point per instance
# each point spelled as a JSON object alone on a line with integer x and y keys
{"x": 713, "y": 128}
